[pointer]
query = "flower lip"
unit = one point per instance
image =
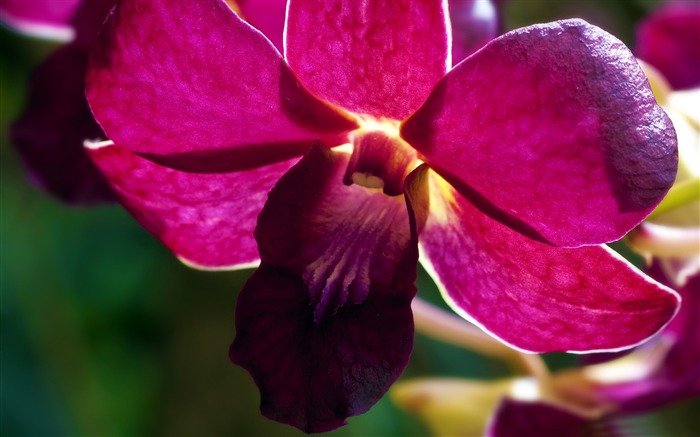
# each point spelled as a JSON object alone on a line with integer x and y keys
{"x": 380, "y": 158}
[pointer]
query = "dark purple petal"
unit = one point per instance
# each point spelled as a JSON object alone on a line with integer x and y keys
{"x": 379, "y": 57}
{"x": 535, "y": 296}
{"x": 678, "y": 376}
{"x": 192, "y": 86}
{"x": 324, "y": 326}
{"x": 572, "y": 149}
{"x": 474, "y": 23}
{"x": 267, "y": 16}
{"x": 207, "y": 220}
{"x": 50, "y": 133}
{"x": 537, "y": 419}
{"x": 669, "y": 39}
{"x": 313, "y": 376}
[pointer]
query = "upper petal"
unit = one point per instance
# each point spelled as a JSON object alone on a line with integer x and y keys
{"x": 206, "y": 219}
{"x": 378, "y": 57}
{"x": 324, "y": 326}
{"x": 192, "y": 86}
{"x": 669, "y": 39}
{"x": 534, "y": 296}
{"x": 572, "y": 149}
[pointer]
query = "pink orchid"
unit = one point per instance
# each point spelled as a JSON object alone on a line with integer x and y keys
{"x": 510, "y": 169}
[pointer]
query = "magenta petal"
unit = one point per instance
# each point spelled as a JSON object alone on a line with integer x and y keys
{"x": 678, "y": 377}
{"x": 206, "y": 219}
{"x": 474, "y": 23}
{"x": 669, "y": 39}
{"x": 537, "y": 419}
{"x": 324, "y": 326}
{"x": 534, "y": 296}
{"x": 192, "y": 86}
{"x": 267, "y": 16}
{"x": 50, "y": 133}
{"x": 379, "y": 57}
{"x": 572, "y": 149}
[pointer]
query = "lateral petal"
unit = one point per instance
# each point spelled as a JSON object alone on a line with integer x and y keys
{"x": 534, "y": 296}
{"x": 380, "y": 58}
{"x": 571, "y": 150}
{"x": 192, "y": 86}
{"x": 677, "y": 376}
{"x": 207, "y": 220}
{"x": 324, "y": 326}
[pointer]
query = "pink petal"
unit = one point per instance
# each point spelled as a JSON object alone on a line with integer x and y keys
{"x": 206, "y": 219}
{"x": 192, "y": 86}
{"x": 537, "y": 419}
{"x": 534, "y": 296}
{"x": 380, "y": 58}
{"x": 474, "y": 23}
{"x": 324, "y": 326}
{"x": 571, "y": 149}
{"x": 267, "y": 16}
{"x": 678, "y": 377}
{"x": 669, "y": 39}
{"x": 44, "y": 18}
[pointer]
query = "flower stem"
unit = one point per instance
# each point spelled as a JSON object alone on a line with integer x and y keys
{"x": 680, "y": 194}
{"x": 441, "y": 325}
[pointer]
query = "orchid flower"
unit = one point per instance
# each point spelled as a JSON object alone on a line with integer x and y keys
{"x": 49, "y": 135}
{"x": 511, "y": 185}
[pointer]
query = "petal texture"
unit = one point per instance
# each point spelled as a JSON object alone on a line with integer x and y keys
{"x": 380, "y": 57}
{"x": 206, "y": 219}
{"x": 192, "y": 86}
{"x": 50, "y": 133}
{"x": 571, "y": 150}
{"x": 669, "y": 39}
{"x": 534, "y": 296}
{"x": 324, "y": 326}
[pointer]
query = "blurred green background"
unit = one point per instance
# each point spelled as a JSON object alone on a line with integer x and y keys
{"x": 104, "y": 333}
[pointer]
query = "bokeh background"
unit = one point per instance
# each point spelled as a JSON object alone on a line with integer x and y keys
{"x": 104, "y": 333}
